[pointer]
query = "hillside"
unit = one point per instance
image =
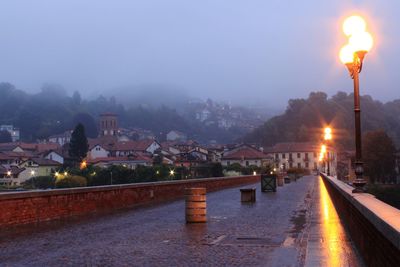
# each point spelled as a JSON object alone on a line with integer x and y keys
{"x": 304, "y": 119}
{"x": 53, "y": 111}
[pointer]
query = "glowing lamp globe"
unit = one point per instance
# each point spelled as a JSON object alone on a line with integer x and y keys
{"x": 353, "y": 25}
{"x": 361, "y": 41}
{"x": 346, "y": 54}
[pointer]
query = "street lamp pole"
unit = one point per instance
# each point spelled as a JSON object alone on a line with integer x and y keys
{"x": 352, "y": 55}
{"x": 359, "y": 170}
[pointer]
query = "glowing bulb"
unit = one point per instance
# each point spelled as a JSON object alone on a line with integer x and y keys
{"x": 32, "y": 172}
{"x": 346, "y": 54}
{"x": 328, "y": 133}
{"x": 323, "y": 149}
{"x": 171, "y": 172}
{"x": 353, "y": 25}
{"x": 327, "y": 130}
{"x": 361, "y": 41}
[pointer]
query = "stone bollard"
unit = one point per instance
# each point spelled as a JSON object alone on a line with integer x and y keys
{"x": 280, "y": 180}
{"x": 248, "y": 195}
{"x": 196, "y": 205}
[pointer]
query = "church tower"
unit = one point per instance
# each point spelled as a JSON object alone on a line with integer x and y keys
{"x": 108, "y": 124}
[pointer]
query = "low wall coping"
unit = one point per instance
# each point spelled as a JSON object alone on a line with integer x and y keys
{"x": 383, "y": 216}
{"x": 78, "y": 190}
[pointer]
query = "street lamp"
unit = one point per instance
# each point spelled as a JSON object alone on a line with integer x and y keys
{"x": 352, "y": 55}
{"x": 322, "y": 156}
{"x": 327, "y": 138}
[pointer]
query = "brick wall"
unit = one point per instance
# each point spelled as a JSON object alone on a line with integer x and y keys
{"x": 37, "y": 206}
{"x": 377, "y": 242}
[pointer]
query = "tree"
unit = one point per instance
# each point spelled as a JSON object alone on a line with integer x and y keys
{"x": 78, "y": 146}
{"x": 379, "y": 156}
{"x": 5, "y": 137}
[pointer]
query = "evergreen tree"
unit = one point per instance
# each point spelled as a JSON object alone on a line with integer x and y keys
{"x": 78, "y": 146}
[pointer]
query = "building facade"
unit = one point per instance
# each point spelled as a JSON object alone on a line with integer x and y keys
{"x": 301, "y": 155}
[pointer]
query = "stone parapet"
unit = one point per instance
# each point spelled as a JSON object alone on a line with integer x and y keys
{"x": 33, "y": 207}
{"x": 373, "y": 225}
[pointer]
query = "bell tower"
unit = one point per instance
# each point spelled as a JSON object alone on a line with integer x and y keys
{"x": 108, "y": 124}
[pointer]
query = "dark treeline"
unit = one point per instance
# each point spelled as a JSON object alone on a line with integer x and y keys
{"x": 52, "y": 111}
{"x": 304, "y": 119}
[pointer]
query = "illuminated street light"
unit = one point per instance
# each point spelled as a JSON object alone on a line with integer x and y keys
{"x": 352, "y": 55}
{"x": 9, "y": 173}
{"x": 327, "y": 133}
{"x": 83, "y": 165}
{"x": 32, "y": 172}
{"x": 171, "y": 172}
{"x": 327, "y": 138}
{"x": 65, "y": 173}
{"x": 56, "y": 174}
{"x": 354, "y": 24}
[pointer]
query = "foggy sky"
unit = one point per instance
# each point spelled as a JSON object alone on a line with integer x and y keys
{"x": 243, "y": 51}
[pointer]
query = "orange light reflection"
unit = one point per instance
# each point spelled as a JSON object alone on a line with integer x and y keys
{"x": 330, "y": 228}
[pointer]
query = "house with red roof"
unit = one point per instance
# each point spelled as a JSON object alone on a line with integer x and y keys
{"x": 131, "y": 161}
{"x": 245, "y": 155}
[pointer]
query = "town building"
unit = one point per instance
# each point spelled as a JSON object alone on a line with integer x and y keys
{"x": 245, "y": 155}
{"x": 176, "y": 136}
{"x": 108, "y": 124}
{"x": 14, "y": 132}
{"x": 300, "y": 155}
{"x": 60, "y": 139}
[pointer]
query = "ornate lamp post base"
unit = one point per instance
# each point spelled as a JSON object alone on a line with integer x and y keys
{"x": 359, "y": 186}
{"x": 359, "y": 182}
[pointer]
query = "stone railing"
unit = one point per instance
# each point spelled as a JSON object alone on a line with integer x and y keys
{"x": 374, "y": 226}
{"x": 33, "y": 207}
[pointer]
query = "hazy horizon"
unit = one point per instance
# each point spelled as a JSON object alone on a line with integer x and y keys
{"x": 258, "y": 52}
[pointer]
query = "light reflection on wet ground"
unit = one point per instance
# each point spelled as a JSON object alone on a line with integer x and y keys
{"x": 328, "y": 242}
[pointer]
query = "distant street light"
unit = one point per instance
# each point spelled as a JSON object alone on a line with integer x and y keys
{"x": 327, "y": 139}
{"x": 83, "y": 165}
{"x": 352, "y": 55}
{"x": 33, "y": 178}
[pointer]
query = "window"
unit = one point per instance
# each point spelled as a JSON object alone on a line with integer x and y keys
{"x": 306, "y": 154}
{"x": 228, "y": 163}
{"x": 315, "y": 154}
{"x": 283, "y": 155}
{"x": 290, "y": 156}
{"x": 284, "y": 166}
{"x": 247, "y": 163}
{"x": 298, "y": 155}
{"x": 276, "y": 156}
{"x": 298, "y": 165}
{"x": 290, "y": 165}
{"x": 307, "y": 165}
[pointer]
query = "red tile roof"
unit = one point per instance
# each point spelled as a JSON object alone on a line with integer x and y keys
{"x": 113, "y": 159}
{"x": 293, "y": 147}
{"x": 246, "y": 153}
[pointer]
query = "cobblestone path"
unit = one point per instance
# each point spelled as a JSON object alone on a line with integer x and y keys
{"x": 285, "y": 228}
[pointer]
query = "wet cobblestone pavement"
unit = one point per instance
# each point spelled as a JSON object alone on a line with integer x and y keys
{"x": 285, "y": 228}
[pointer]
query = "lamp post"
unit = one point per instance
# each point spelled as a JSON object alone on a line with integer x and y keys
{"x": 352, "y": 55}
{"x": 327, "y": 138}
